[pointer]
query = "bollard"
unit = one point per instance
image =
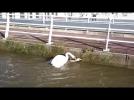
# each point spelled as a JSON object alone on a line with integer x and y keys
{"x": 51, "y": 30}
{"x": 107, "y": 40}
{"x": 7, "y": 27}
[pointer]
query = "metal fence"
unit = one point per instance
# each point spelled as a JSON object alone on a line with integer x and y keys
{"x": 75, "y": 20}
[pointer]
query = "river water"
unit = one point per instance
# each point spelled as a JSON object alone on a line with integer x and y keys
{"x": 31, "y": 71}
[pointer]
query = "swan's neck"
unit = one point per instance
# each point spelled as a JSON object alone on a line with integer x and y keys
{"x": 69, "y": 54}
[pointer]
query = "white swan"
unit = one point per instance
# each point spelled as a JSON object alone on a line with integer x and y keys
{"x": 59, "y": 60}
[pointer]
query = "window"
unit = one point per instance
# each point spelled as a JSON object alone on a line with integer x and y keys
{"x": 124, "y": 14}
{"x": 81, "y": 14}
{"x": 22, "y": 15}
{"x": 47, "y": 13}
{"x": 0, "y": 15}
{"x": 31, "y": 15}
{"x": 69, "y": 14}
{"x": 37, "y": 15}
{"x": 10, "y": 15}
{"x": 94, "y": 17}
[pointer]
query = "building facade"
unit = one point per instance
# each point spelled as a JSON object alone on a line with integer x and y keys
{"x": 38, "y": 15}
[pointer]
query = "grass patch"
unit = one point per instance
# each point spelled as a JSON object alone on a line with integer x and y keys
{"x": 31, "y": 49}
{"x": 102, "y": 58}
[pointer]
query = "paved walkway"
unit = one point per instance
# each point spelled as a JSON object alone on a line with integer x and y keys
{"x": 72, "y": 41}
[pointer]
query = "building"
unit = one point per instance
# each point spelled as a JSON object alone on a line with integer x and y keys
{"x": 38, "y": 15}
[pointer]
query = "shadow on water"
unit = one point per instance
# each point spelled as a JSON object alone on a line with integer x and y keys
{"x": 33, "y": 71}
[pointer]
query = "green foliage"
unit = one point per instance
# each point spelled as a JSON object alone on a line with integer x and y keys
{"x": 96, "y": 58}
{"x": 31, "y": 49}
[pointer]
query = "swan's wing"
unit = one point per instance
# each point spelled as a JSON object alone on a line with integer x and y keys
{"x": 59, "y": 60}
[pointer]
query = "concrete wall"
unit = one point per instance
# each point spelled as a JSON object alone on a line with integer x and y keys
{"x": 116, "y": 59}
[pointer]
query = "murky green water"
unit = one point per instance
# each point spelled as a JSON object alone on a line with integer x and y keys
{"x": 31, "y": 71}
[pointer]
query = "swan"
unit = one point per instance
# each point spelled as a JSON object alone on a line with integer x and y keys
{"x": 59, "y": 60}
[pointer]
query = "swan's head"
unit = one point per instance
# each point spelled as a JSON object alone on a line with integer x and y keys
{"x": 78, "y": 59}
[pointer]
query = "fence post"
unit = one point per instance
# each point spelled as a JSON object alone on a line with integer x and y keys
{"x": 113, "y": 20}
{"x": 107, "y": 40}
{"x": 51, "y": 30}
{"x": 88, "y": 22}
{"x": 88, "y": 19}
{"x": 7, "y": 27}
{"x": 66, "y": 17}
{"x": 43, "y": 18}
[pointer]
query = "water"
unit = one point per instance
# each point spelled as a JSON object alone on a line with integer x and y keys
{"x": 30, "y": 71}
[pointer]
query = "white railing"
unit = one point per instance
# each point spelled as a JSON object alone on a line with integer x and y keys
{"x": 51, "y": 25}
{"x": 73, "y": 27}
{"x": 99, "y": 20}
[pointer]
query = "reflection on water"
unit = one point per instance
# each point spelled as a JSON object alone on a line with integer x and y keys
{"x": 31, "y": 71}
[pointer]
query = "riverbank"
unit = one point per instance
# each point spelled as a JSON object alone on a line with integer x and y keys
{"x": 30, "y": 49}
{"x": 88, "y": 55}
